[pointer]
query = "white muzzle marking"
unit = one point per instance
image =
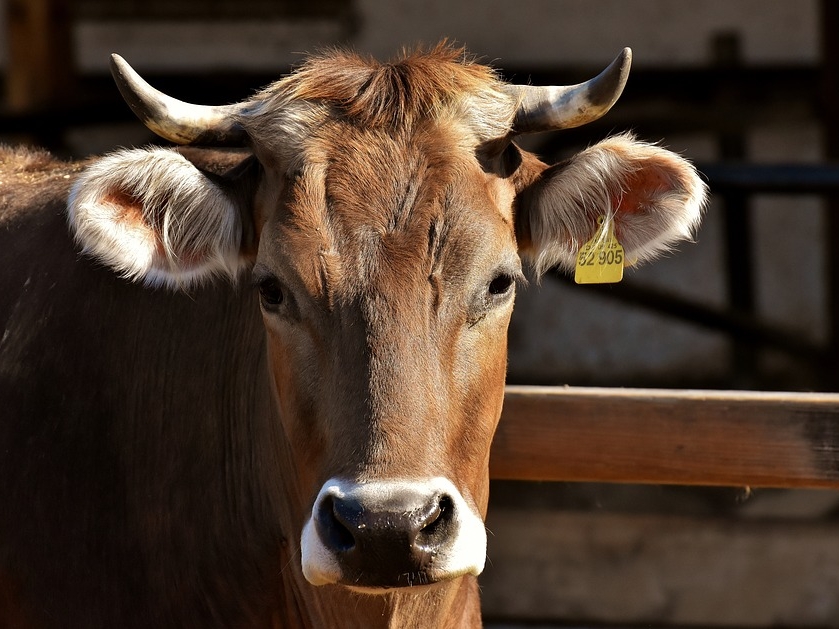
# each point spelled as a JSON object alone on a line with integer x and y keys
{"x": 462, "y": 552}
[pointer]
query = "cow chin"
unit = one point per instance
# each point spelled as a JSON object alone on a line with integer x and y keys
{"x": 376, "y": 536}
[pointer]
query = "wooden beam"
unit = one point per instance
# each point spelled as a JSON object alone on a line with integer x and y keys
{"x": 655, "y": 436}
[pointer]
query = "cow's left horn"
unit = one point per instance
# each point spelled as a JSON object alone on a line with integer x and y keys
{"x": 175, "y": 120}
{"x": 564, "y": 107}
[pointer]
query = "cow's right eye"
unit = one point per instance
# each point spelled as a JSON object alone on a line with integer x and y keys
{"x": 270, "y": 293}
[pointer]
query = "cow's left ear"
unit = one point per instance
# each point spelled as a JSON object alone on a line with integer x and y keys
{"x": 653, "y": 197}
{"x": 155, "y": 216}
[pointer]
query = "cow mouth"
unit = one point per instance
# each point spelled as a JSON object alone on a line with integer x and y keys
{"x": 379, "y": 584}
{"x": 367, "y": 583}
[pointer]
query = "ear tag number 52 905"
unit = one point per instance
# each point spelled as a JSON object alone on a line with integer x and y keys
{"x": 601, "y": 259}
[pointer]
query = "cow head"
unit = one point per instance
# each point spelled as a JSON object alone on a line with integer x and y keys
{"x": 382, "y": 216}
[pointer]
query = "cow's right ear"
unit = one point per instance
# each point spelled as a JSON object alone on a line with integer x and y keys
{"x": 155, "y": 217}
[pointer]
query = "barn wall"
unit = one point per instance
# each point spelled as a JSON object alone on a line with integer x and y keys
{"x": 523, "y": 34}
{"x": 643, "y": 569}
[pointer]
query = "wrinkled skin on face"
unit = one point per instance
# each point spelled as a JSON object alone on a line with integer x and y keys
{"x": 395, "y": 297}
{"x": 394, "y": 264}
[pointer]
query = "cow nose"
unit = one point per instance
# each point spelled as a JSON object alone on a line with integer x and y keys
{"x": 381, "y": 534}
{"x": 386, "y": 543}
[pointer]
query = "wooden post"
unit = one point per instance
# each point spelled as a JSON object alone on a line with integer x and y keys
{"x": 830, "y": 125}
{"x": 40, "y": 73}
{"x": 737, "y": 219}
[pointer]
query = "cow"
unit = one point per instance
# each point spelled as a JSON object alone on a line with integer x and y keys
{"x": 254, "y": 383}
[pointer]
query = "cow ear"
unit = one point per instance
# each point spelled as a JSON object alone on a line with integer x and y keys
{"x": 652, "y": 197}
{"x": 154, "y": 217}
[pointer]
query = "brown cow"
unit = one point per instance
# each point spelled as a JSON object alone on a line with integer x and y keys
{"x": 313, "y": 453}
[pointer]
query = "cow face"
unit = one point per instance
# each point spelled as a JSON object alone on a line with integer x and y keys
{"x": 382, "y": 220}
{"x": 386, "y": 306}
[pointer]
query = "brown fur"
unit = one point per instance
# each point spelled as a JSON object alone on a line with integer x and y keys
{"x": 163, "y": 451}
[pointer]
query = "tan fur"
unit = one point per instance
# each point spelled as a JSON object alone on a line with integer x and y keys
{"x": 415, "y": 86}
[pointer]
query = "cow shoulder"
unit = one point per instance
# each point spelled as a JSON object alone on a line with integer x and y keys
{"x": 30, "y": 179}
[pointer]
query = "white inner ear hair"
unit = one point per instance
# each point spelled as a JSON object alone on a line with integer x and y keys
{"x": 153, "y": 217}
{"x": 592, "y": 185}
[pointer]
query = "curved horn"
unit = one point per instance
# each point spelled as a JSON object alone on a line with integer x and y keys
{"x": 175, "y": 120}
{"x": 564, "y": 107}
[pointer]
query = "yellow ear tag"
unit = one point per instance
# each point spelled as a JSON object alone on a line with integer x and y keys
{"x": 601, "y": 259}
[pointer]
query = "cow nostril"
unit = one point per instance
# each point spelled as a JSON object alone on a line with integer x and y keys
{"x": 332, "y": 530}
{"x": 437, "y": 522}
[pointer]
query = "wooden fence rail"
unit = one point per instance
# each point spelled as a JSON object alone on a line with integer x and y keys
{"x": 733, "y": 438}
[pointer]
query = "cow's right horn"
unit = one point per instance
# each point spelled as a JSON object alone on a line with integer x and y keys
{"x": 175, "y": 120}
{"x": 563, "y": 107}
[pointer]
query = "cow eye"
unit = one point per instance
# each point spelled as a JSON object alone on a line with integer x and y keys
{"x": 270, "y": 293}
{"x": 501, "y": 285}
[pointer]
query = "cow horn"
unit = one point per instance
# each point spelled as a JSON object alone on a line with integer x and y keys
{"x": 563, "y": 107}
{"x": 175, "y": 120}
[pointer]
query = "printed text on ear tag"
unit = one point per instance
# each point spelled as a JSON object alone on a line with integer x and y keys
{"x": 600, "y": 260}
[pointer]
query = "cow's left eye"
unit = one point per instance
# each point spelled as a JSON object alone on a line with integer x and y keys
{"x": 501, "y": 285}
{"x": 495, "y": 294}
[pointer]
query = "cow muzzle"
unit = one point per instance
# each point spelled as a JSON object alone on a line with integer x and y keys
{"x": 387, "y": 534}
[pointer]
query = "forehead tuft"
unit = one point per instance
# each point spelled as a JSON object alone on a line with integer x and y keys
{"x": 420, "y": 84}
